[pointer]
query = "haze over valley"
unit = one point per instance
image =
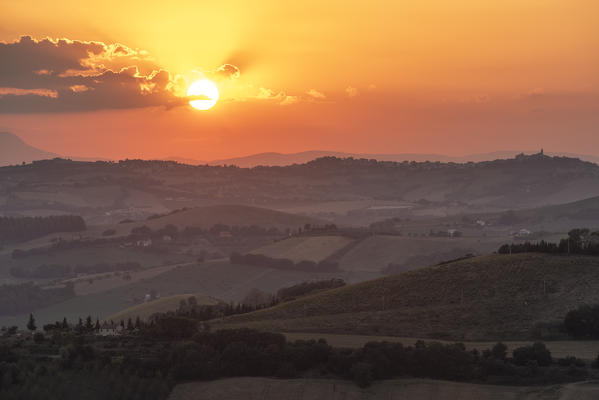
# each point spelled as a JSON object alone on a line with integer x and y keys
{"x": 307, "y": 201}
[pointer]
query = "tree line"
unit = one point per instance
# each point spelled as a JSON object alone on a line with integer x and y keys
{"x": 579, "y": 241}
{"x": 261, "y": 260}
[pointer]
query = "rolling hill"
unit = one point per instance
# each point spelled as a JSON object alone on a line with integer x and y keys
{"x": 108, "y": 192}
{"x": 490, "y": 297}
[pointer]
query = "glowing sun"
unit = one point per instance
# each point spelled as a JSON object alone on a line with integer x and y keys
{"x": 203, "y": 93}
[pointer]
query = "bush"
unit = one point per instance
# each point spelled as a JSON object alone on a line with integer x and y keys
{"x": 537, "y": 352}
{"x": 570, "y": 361}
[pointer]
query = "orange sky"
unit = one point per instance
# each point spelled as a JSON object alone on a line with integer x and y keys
{"x": 433, "y": 76}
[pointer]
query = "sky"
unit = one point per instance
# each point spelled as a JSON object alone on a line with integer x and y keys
{"x": 454, "y": 77}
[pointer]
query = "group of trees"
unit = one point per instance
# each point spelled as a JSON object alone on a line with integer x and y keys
{"x": 203, "y": 312}
{"x": 260, "y": 260}
{"x": 211, "y": 355}
{"x": 54, "y": 271}
{"x": 18, "y": 229}
{"x": 579, "y": 241}
{"x": 172, "y": 349}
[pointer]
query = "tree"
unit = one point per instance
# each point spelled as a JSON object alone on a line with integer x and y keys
{"x": 65, "y": 324}
{"x": 499, "y": 351}
{"x": 31, "y": 324}
{"x": 537, "y": 352}
{"x": 88, "y": 323}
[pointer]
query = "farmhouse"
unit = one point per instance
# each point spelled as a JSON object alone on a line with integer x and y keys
{"x": 110, "y": 329}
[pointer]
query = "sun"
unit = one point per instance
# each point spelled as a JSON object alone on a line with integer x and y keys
{"x": 203, "y": 93}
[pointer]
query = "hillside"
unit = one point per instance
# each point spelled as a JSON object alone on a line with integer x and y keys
{"x": 489, "y": 297}
{"x": 375, "y": 253}
{"x": 162, "y": 305}
{"x": 13, "y": 150}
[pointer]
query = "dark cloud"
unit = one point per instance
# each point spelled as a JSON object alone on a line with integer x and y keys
{"x": 83, "y": 75}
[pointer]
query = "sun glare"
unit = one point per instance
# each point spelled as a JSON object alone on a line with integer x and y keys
{"x": 203, "y": 94}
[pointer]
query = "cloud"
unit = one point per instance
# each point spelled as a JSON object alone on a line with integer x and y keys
{"x": 288, "y": 100}
{"x": 69, "y": 75}
{"x": 227, "y": 71}
{"x": 281, "y": 97}
{"x": 351, "y": 91}
{"x": 315, "y": 94}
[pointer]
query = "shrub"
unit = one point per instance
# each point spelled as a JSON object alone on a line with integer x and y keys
{"x": 570, "y": 361}
{"x": 537, "y": 352}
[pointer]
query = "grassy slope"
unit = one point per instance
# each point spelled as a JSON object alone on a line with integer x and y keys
{"x": 488, "y": 297}
{"x": 165, "y": 304}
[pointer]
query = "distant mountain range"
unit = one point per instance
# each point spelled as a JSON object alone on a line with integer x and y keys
{"x": 13, "y": 150}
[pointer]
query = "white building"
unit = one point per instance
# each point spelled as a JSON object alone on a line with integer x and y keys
{"x": 111, "y": 329}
